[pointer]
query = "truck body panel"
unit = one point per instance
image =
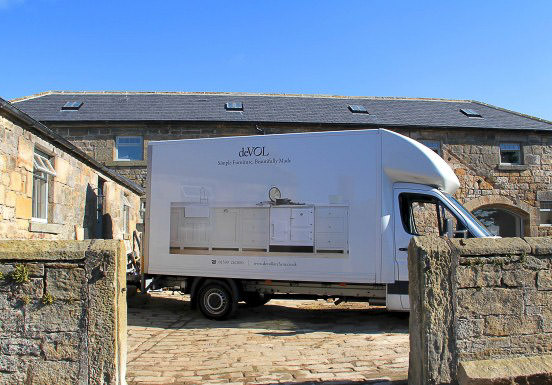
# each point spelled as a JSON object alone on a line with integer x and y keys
{"x": 316, "y": 207}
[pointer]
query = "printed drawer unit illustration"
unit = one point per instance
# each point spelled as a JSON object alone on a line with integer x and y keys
{"x": 331, "y": 228}
{"x": 292, "y": 226}
{"x": 224, "y": 228}
{"x": 263, "y": 227}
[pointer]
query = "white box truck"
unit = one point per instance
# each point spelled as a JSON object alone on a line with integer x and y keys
{"x": 309, "y": 215}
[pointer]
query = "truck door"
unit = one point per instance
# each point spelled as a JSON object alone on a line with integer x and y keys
{"x": 415, "y": 213}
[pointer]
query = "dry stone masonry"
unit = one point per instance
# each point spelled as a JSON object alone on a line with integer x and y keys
{"x": 63, "y": 309}
{"x": 478, "y": 304}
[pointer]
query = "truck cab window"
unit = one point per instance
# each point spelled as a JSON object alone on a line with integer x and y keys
{"x": 425, "y": 214}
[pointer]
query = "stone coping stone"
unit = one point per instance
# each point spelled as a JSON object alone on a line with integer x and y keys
{"x": 540, "y": 245}
{"x": 519, "y": 370}
{"x": 491, "y": 246}
{"x": 47, "y": 250}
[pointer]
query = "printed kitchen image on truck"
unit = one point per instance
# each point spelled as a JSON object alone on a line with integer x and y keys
{"x": 327, "y": 214}
{"x": 275, "y": 226}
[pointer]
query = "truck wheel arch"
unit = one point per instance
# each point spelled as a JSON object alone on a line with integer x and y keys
{"x": 198, "y": 282}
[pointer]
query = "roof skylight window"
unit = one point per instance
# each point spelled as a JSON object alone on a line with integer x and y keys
{"x": 234, "y": 106}
{"x": 357, "y": 109}
{"x": 72, "y": 106}
{"x": 470, "y": 113}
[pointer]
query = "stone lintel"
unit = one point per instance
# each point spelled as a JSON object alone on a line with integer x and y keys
{"x": 512, "y": 167}
{"x": 50, "y": 228}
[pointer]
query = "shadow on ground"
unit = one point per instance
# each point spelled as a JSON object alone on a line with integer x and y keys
{"x": 284, "y": 320}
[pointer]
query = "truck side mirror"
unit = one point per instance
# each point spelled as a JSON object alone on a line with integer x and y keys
{"x": 449, "y": 228}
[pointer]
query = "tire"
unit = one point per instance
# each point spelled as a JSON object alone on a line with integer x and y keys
{"x": 256, "y": 299}
{"x": 217, "y": 301}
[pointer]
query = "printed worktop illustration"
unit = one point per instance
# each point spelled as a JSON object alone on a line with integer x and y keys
{"x": 278, "y": 225}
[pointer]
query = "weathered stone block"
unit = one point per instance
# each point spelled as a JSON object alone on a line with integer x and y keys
{"x": 66, "y": 283}
{"x": 19, "y": 347}
{"x": 511, "y": 371}
{"x": 12, "y": 378}
{"x": 485, "y": 347}
{"x": 61, "y": 346}
{"x": 10, "y": 199}
{"x": 12, "y": 321}
{"x": 25, "y": 154}
{"x": 53, "y": 372}
{"x": 519, "y": 278}
{"x": 540, "y": 245}
{"x": 544, "y": 280}
{"x": 538, "y": 298}
{"x": 507, "y": 325}
{"x": 478, "y": 276}
{"x": 532, "y": 159}
{"x": 33, "y": 288}
{"x": 5, "y": 303}
{"x": 63, "y": 169}
{"x": 489, "y": 301}
{"x": 23, "y": 207}
{"x": 15, "y": 181}
{"x": 6, "y": 270}
{"x": 532, "y": 344}
{"x": 469, "y": 328}
{"x": 57, "y": 317}
{"x": 8, "y": 364}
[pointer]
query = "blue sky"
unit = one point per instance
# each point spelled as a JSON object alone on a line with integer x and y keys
{"x": 499, "y": 52}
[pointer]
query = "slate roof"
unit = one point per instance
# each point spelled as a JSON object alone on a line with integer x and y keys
{"x": 67, "y": 146}
{"x": 272, "y": 108}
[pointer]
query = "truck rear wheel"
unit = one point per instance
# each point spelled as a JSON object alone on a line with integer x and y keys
{"x": 256, "y": 299}
{"x": 217, "y": 301}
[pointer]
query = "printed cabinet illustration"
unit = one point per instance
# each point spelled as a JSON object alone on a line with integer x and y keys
{"x": 291, "y": 226}
{"x": 267, "y": 228}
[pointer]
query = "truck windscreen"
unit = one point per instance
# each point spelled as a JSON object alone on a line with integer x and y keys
{"x": 469, "y": 216}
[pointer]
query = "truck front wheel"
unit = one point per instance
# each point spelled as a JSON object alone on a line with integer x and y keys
{"x": 216, "y": 300}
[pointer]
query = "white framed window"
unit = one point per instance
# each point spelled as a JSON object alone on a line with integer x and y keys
{"x": 510, "y": 153}
{"x": 545, "y": 213}
{"x": 433, "y": 145}
{"x": 129, "y": 148}
{"x": 126, "y": 215}
{"x": 42, "y": 171}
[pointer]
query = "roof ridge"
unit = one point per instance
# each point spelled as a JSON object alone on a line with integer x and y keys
{"x": 322, "y": 96}
{"x": 32, "y": 96}
{"x": 512, "y": 112}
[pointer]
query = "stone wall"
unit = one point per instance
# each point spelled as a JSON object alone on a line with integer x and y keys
{"x": 63, "y": 309}
{"x": 475, "y": 300}
{"x": 475, "y": 158}
{"x": 72, "y": 191}
{"x": 473, "y": 154}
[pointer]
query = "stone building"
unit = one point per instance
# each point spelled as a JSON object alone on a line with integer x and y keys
{"x": 502, "y": 158}
{"x": 50, "y": 189}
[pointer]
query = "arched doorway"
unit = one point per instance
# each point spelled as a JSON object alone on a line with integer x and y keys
{"x": 501, "y": 221}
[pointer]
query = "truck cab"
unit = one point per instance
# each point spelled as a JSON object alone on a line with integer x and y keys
{"x": 424, "y": 210}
